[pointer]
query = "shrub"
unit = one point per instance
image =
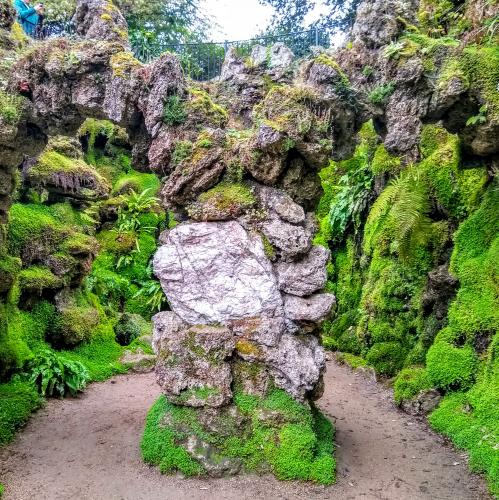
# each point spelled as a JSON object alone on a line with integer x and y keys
{"x": 451, "y": 367}
{"x": 54, "y": 375}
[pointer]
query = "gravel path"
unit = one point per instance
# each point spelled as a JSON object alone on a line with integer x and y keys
{"x": 87, "y": 449}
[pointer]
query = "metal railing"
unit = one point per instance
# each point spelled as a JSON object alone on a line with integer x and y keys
{"x": 203, "y": 61}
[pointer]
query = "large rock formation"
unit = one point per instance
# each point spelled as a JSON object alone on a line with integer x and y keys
{"x": 239, "y": 359}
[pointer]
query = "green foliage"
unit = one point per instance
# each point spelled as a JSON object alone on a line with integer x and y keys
{"x": 174, "y": 112}
{"x": 135, "y": 205}
{"x": 18, "y": 400}
{"x": 183, "y": 150}
{"x": 381, "y": 93}
{"x": 478, "y": 119}
{"x": 409, "y": 383}
{"x": 10, "y": 108}
{"x": 100, "y": 355}
{"x": 386, "y": 358}
{"x": 384, "y": 162}
{"x": 55, "y": 375}
{"x": 347, "y": 186}
{"x": 451, "y": 367}
{"x": 399, "y": 216}
{"x": 138, "y": 182}
{"x": 153, "y": 294}
{"x": 38, "y": 278}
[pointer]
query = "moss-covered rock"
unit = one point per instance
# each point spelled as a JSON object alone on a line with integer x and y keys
{"x": 271, "y": 433}
{"x": 69, "y": 177}
{"x": 223, "y": 202}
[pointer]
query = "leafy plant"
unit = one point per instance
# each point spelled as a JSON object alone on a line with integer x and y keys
{"x": 135, "y": 205}
{"x": 174, "y": 111}
{"x": 350, "y": 201}
{"x": 55, "y": 375}
{"x": 478, "y": 119}
{"x": 381, "y": 93}
{"x": 393, "y": 49}
{"x": 153, "y": 293}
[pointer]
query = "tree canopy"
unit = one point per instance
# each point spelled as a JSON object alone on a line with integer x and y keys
{"x": 291, "y": 15}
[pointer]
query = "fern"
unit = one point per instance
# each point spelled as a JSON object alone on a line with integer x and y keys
{"x": 400, "y": 213}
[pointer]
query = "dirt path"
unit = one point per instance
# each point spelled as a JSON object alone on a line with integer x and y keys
{"x": 87, "y": 449}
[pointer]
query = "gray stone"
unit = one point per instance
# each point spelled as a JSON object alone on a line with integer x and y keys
{"x": 216, "y": 272}
{"x": 305, "y": 276}
{"x": 210, "y": 459}
{"x": 100, "y": 20}
{"x": 138, "y": 361}
{"x": 191, "y": 366}
{"x": 277, "y": 56}
{"x": 281, "y": 203}
{"x": 290, "y": 240}
{"x": 296, "y": 364}
{"x": 423, "y": 403}
{"x": 314, "y": 308}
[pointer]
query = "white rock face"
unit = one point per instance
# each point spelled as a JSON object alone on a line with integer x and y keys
{"x": 216, "y": 272}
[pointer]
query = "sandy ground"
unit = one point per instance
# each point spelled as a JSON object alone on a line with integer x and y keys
{"x": 87, "y": 449}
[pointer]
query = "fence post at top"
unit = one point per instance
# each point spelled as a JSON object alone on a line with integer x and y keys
{"x": 226, "y": 47}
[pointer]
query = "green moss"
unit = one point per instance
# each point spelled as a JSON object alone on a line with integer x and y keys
{"x": 38, "y": 278}
{"x": 351, "y": 360}
{"x": 451, "y": 367}
{"x": 28, "y": 223}
{"x": 201, "y": 103}
{"x": 17, "y": 401}
{"x": 228, "y": 198}
{"x": 174, "y": 112}
{"x": 101, "y": 354}
{"x": 384, "y": 162}
{"x": 158, "y": 444}
{"x": 409, "y": 383}
{"x": 387, "y": 358}
{"x": 288, "y": 438}
{"x": 268, "y": 248}
{"x": 183, "y": 150}
{"x": 137, "y": 181}
{"x": 123, "y": 63}
{"x": 470, "y": 421}
{"x": 53, "y": 168}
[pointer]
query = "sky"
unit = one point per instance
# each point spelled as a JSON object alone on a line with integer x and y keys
{"x": 242, "y": 19}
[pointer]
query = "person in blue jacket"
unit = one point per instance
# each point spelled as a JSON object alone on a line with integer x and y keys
{"x": 28, "y": 16}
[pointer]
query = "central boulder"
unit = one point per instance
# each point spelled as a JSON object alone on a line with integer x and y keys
{"x": 215, "y": 272}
